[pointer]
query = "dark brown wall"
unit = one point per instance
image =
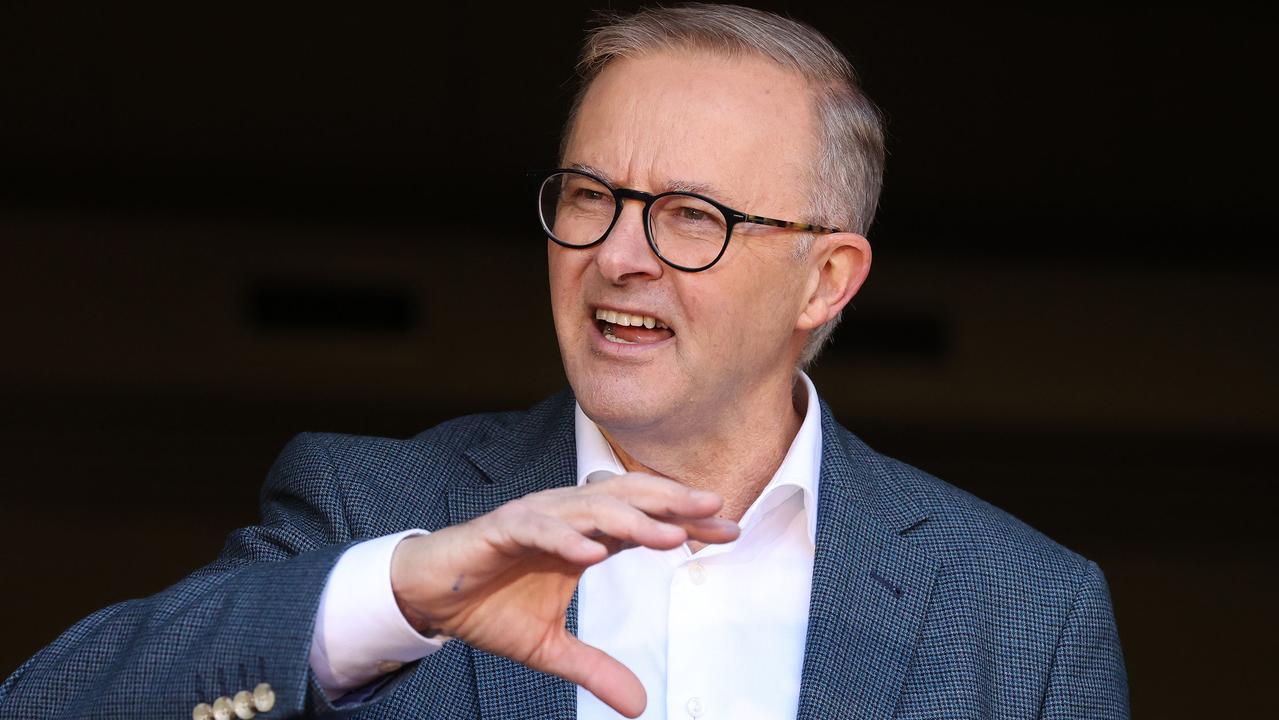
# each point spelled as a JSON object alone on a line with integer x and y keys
{"x": 220, "y": 229}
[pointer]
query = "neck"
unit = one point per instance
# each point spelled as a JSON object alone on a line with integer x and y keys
{"x": 734, "y": 454}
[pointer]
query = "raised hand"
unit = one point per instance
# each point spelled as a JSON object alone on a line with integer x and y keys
{"x": 502, "y": 582}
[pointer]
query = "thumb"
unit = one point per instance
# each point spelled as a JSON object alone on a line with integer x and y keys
{"x": 597, "y": 671}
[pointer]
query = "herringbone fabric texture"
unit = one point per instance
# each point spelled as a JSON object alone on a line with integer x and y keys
{"x": 926, "y": 603}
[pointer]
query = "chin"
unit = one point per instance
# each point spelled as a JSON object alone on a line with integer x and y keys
{"x": 621, "y": 403}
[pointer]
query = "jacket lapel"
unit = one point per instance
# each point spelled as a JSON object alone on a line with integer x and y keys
{"x": 535, "y": 454}
{"x": 870, "y": 585}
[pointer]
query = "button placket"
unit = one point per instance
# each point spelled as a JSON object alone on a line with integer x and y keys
{"x": 690, "y": 629}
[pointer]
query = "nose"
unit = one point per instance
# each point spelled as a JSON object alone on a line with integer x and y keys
{"x": 625, "y": 255}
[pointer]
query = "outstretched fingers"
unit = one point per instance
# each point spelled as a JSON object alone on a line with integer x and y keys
{"x": 583, "y": 525}
{"x": 661, "y": 496}
{"x": 613, "y": 518}
{"x": 710, "y": 530}
{"x": 537, "y": 531}
{"x": 644, "y": 510}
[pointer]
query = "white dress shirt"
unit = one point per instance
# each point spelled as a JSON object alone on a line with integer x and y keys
{"x": 718, "y": 633}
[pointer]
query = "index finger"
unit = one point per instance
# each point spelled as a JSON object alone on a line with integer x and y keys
{"x": 659, "y": 496}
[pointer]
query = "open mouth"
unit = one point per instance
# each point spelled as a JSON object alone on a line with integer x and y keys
{"x": 630, "y": 328}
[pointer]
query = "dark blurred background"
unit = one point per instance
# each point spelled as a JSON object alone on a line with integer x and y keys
{"x": 224, "y": 226}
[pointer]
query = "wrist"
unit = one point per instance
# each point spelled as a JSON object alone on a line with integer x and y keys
{"x": 406, "y": 586}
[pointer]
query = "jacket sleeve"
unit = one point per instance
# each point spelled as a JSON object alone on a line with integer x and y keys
{"x": 1088, "y": 679}
{"x": 242, "y": 620}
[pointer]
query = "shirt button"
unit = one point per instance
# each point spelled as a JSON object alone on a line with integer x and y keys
{"x": 697, "y": 573}
{"x": 694, "y": 707}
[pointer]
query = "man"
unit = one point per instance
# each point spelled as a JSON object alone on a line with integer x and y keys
{"x": 689, "y": 533}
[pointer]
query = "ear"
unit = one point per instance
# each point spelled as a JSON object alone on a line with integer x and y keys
{"x": 837, "y": 266}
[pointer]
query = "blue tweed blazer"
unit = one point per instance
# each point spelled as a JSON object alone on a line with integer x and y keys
{"x": 926, "y": 602}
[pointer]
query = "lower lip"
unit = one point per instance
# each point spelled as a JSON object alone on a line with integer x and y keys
{"x": 624, "y": 350}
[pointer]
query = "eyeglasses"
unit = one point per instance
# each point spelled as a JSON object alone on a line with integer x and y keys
{"x": 687, "y": 231}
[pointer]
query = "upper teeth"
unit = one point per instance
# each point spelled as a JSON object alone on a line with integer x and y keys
{"x": 626, "y": 319}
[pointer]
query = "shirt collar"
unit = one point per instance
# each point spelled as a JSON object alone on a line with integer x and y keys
{"x": 800, "y": 469}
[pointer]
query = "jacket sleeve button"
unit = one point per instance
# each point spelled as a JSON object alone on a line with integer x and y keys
{"x": 263, "y": 697}
{"x": 222, "y": 708}
{"x": 389, "y": 666}
{"x": 202, "y": 712}
{"x": 242, "y": 704}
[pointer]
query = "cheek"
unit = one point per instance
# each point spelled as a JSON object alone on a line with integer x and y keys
{"x": 725, "y": 311}
{"x": 563, "y": 302}
{"x": 756, "y": 310}
{"x": 564, "y": 274}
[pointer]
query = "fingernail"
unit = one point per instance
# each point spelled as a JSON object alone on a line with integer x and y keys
{"x": 704, "y": 495}
{"x": 599, "y": 476}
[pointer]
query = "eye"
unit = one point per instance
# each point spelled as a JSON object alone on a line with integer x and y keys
{"x": 583, "y": 193}
{"x": 690, "y": 214}
{"x": 589, "y": 195}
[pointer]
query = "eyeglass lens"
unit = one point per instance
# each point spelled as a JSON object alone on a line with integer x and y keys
{"x": 687, "y": 231}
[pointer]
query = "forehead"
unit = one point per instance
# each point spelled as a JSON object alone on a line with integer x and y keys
{"x": 742, "y": 126}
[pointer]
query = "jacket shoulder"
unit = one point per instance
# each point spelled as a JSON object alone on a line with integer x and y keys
{"x": 964, "y": 530}
{"x": 389, "y": 484}
{"x": 355, "y": 455}
{"x": 1008, "y": 605}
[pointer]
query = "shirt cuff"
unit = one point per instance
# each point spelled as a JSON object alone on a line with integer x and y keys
{"x": 360, "y": 633}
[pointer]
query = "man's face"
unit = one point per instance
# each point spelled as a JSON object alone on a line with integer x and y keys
{"x": 742, "y": 132}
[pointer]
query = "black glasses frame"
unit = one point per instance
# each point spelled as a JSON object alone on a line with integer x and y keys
{"x": 731, "y": 216}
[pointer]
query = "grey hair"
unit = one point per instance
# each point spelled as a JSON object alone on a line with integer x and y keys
{"x": 847, "y": 173}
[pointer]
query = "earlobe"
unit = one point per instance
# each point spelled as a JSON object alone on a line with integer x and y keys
{"x": 840, "y": 264}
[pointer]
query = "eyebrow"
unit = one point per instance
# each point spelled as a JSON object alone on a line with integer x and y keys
{"x": 687, "y": 186}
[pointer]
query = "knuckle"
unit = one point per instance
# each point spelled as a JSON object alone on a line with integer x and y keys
{"x": 632, "y": 523}
{"x": 513, "y": 511}
{"x": 595, "y": 503}
{"x": 634, "y": 479}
